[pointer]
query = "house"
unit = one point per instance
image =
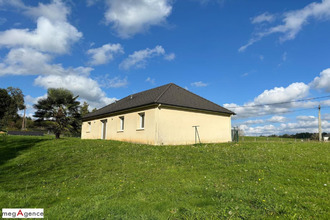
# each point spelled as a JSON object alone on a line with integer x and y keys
{"x": 163, "y": 115}
{"x": 326, "y": 137}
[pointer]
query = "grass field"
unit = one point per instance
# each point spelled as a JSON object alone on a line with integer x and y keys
{"x": 94, "y": 179}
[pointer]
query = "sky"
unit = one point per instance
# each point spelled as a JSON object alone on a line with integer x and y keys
{"x": 243, "y": 55}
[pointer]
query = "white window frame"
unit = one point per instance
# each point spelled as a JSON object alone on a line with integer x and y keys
{"x": 122, "y": 123}
{"x": 142, "y": 116}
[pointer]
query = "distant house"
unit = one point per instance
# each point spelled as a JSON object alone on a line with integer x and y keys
{"x": 326, "y": 137}
{"x": 163, "y": 115}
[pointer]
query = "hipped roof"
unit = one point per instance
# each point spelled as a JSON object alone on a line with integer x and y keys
{"x": 169, "y": 94}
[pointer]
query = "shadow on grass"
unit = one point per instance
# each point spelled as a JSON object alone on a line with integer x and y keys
{"x": 12, "y": 146}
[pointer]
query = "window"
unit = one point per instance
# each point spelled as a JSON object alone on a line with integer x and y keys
{"x": 141, "y": 119}
{"x": 122, "y": 120}
{"x": 89, "y": 127}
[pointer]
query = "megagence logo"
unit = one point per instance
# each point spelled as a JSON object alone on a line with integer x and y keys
{"x": 22, "y": 213}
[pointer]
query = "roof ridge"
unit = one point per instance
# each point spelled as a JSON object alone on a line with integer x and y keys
{"x": 143, "y": 91}
{"x": 169, "y": 85}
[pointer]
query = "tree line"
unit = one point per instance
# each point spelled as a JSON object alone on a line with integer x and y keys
{"x": 303, "y": 135}
{"x": 60, "y": 112}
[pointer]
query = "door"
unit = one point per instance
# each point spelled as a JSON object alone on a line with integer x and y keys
{"x": 104, "y": 129}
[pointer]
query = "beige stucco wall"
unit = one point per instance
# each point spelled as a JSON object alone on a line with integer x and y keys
{"x": 94, "y": 132}
{"x": 175, "y": 127}
{"x": 132, "y": 131}
{"x": 163, "y": 126}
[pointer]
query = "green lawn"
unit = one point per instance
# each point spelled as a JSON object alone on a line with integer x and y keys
{"x": 94, "y": 179}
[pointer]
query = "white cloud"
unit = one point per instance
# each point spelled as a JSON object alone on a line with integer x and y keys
{"x": 288, "y": 96}
{"x": 15, "y": 3}
{"x": 31, "y": 52}
{"x": 91, "y": 2}
{"x": 259, "y": 130}
{"x": 300, "y": 126}
{"x": 251, "y": 122}
{"x": 170, "y": 56}
{"x": 129, "y": 17}
{"x": 104, "y": 54}
{"x": 326, "y": 117}
{"x": 249, "y": 110}
{"x": 304, "y": 126}
{"x": 55, "y": 11}
{"x": 293, "y": 22}
{"x": 29, "y": 102}
{"x": 305, "y": 118}
{"x": 277, "y": 119}
{"x": 199, "y": 84}
{"x": 49, "y": 37}
{"x": 24, "y": 61}
{"x": 52, "y": 34}
{"x": 139, "y": 58}
{"x": 33, "y": 100}
{"x": 265, "y": 17}
{"x": 281, "y": 94}
{"x": 87, "y": 89}
{"x": 115, "y": 82}
{"x": 249, "y": 43}
{"x": 151, "y": 81}
{"x": 322, "y": 81}
{"x": 274, "y": 119}
{"x": 262, "y": 103}
{"x": 325, "y": 102}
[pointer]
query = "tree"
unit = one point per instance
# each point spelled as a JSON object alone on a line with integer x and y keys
{"x": 84, "y": 109}
{"x": 5, "y": 101}
{"x": 17, "y": 102}
{"x": 10, "y": 106}
{"x": 61, "y": 110}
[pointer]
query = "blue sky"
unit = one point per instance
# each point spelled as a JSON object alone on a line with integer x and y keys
{"x": 235, "y": 53}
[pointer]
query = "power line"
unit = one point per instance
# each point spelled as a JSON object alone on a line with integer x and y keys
{"x": 277, "y": 113}
{"x": 263, "y": 121}
{"x": 279, "y": 103}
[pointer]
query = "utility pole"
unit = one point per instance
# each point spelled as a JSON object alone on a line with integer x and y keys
{"x": 320, "y": 128}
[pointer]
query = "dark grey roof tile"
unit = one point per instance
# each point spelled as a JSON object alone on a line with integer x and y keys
{"x": 169, "y": 94}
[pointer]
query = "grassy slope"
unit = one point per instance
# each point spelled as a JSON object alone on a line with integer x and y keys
{"x": 84, "y": 179}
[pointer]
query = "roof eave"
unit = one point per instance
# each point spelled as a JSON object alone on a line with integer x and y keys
{"x": 198, "y": 109}
{"x": 122, "y": 111}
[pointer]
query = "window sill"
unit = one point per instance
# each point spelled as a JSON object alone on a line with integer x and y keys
{"x": 120, "y": 131}
{"x": 140, "y": 129}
